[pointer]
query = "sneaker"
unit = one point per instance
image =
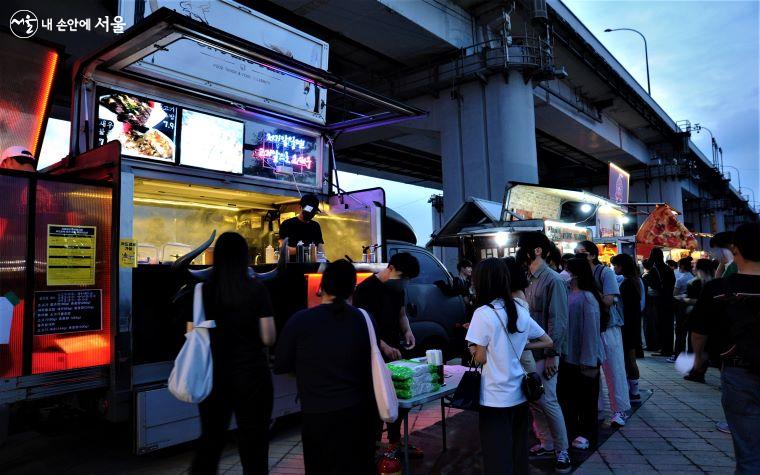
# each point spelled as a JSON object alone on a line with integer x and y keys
{"x": 581, "y": 443}
{"x": 723, "y": 427}
{"x": 634, "y": 397}
{"x": 671, "y": 359}
{"x": 538, "y": 450}
{"x": 618, "y": 419}
{"x": 563, "y": 464}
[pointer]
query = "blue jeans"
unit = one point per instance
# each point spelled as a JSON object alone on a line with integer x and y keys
{"x": 741, "y": 404}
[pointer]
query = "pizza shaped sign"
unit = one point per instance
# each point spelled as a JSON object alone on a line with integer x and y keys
{"x": 662, "y": 229}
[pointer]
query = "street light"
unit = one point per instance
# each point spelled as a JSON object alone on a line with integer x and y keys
{"x": 698, "y": 128}
{"x": 753, "y": 194}
{"x": 646, "y": 52}
{"x": 738, "y": 175}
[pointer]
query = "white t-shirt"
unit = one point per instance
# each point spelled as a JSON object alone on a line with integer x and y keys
{"x": 502, "y": 373}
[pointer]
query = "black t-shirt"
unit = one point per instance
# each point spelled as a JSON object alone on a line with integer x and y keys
{"x": 296, "y": 230}
{"x": 384, "y": 302}
{"x": 719, "y": 319}
{"x": 329, "y": 353}
{"x": 694, "y": 288}
{"x": 236, "y": 341}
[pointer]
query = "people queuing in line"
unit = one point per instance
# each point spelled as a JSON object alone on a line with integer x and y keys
{"x": 649, "y": 317}
{"x": 725, "y": 326}
{"x": 242, "y": 310}
{"x": 631, "y": 293}
{"x": 579, "y": 384}
{"x": 547, "y": 298}
{"x": 612, "y": 322}
{"x": 684, "y": 275}
{"x": 327, "y": 347}
{"x": 705, "y": 273}
{"x": 383, "y": 296}
{"x": 499, "y": 332}
{"x": 661, "y": 280}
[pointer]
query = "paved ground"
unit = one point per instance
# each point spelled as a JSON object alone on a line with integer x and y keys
{"x": 672, "y": 432}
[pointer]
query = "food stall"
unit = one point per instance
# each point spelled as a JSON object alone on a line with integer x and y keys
{"x": 662, "y": 229}
{"x": 480, "y": 229}
{"x": 192, "y": 130}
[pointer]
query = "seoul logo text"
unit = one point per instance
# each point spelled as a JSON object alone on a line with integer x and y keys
{"x": 24, "y": 24}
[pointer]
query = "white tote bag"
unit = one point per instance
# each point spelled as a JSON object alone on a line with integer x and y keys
{"x": 385, "y": 393}
{"x": 192, "y": 377}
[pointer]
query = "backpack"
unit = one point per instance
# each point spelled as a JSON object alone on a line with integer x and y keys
{"x": 743, "y": 310}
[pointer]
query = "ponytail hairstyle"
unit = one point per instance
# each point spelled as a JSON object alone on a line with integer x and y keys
{"x": 339, "y": 281}
{"x": 491, "y": 281}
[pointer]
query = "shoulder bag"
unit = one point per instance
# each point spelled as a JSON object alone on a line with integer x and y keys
{"x": 467, "y": 394}
{"x": 191, "y": 379}
{"x": 531, "y": 385}
{"x": 382, "y": 383}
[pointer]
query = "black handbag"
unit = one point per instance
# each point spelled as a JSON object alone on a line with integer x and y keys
{"x": 531, "y": 385}
{"x": 467, "y": 394}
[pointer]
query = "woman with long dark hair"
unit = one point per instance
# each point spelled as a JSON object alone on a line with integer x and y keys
{"x": 631, "y": 290}
{"x": 327, "y": 347}
{"x": 242, "y": 310}
{"x": 499, "y": 332}
{"x": 579, "y": 384}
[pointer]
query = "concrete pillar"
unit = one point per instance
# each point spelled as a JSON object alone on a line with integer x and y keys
{"x": 668, "y": 191}
{"x": 487, "y": 139}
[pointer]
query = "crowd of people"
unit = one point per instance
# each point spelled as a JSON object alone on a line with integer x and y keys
{"x": 568, "y": 318}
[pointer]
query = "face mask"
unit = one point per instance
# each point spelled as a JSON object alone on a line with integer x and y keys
{"x": 308, "y": 216}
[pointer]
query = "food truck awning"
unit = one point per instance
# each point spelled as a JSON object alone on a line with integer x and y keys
{"x": 174, "y": 51}
{"x": 516, "y": 189}
{"x": 473, "y": 212}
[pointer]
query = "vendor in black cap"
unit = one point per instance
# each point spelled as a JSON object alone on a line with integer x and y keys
{"x": 303, "y": 228}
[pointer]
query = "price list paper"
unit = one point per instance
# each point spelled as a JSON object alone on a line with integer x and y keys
{"x": 67, "y": 311}
{"x": 71, "y": 255}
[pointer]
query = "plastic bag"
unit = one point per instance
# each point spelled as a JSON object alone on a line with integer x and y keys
{"x": 406, "y": 369}
{"x": 410, "y": 390}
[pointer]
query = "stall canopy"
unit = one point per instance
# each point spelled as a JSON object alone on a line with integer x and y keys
{"x": 526, "y": 201}
{"x": 171, "y": 50}
{"x": 473, "y": 213}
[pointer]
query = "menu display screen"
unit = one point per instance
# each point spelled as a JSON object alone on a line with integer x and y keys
{"x": 282, "y": 155}
{"x": 145, "y": 128}
{"x": 211, "y": 142}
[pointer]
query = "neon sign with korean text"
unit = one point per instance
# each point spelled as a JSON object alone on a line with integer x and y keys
{"x": 283, "y": 155}
{"x": 284, "y": 150}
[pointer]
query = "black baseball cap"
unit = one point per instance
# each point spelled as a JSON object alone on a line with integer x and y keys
{"x": 310, "y": 203}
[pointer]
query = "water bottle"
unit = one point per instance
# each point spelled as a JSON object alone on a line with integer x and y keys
{"x": 312, "y": 252}
{"x": 300, "y": 252}
{"x": 269, "y": 257}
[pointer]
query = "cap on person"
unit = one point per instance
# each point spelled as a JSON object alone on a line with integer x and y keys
{"x": 310, "y": 203}
{"x": 21, "y": 155}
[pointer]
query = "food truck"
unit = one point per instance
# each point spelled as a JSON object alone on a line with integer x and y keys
{"x": 180, "y": 131}
{"x": 480, "y": 228}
